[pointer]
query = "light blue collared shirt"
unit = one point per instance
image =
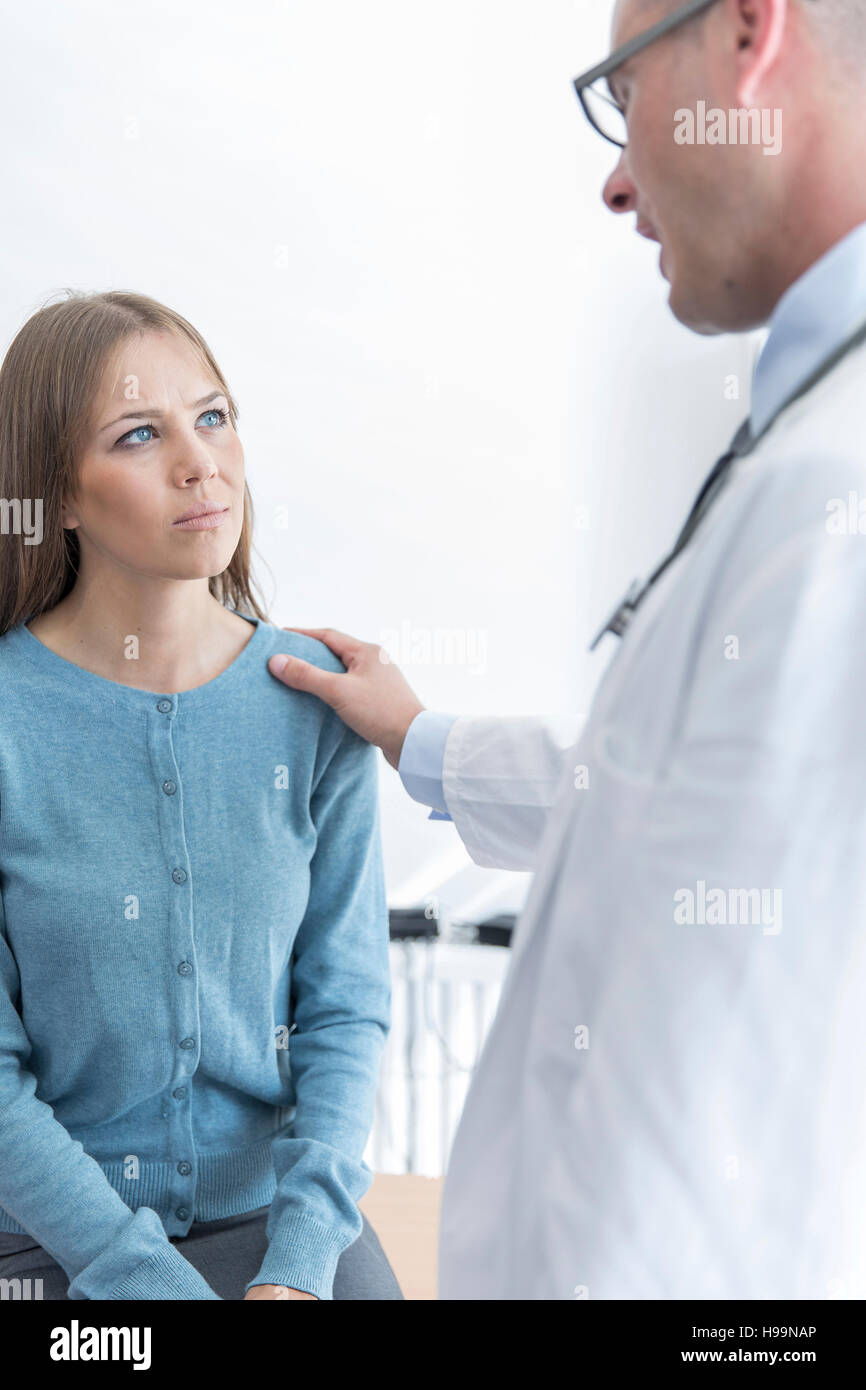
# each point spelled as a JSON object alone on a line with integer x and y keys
{"x": 813, "y": 317}
{"x": 811, "y": 320}
{"x": 422, "y": 760}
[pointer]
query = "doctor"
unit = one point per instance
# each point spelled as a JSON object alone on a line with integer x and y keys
{"x": 671, "y": 1101}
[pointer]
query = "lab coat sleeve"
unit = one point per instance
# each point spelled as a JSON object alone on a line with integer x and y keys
{"x": 499, "y": 778}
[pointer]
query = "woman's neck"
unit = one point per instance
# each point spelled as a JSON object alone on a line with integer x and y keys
{"x": 172, "y": 646}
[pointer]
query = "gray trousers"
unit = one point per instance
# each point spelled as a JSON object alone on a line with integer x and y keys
{"x": 227, "y": 1253}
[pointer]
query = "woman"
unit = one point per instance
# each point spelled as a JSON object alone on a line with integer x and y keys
{"x": 194, "y": 979}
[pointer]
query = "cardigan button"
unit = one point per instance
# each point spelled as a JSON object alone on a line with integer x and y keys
{"x": 181, "y": 1213}
{"x": 184, "y": 968}
{"x": 187, "y": 1043}
{"x": 179, "y": 1093}
{"x": 179, "y": 875}
{"x": 169, "y": 788}
{"x": 164, "y": 706}
{"x": 183, "y": 1168}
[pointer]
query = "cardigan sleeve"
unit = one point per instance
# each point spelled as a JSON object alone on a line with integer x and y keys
{"x": 60, "y": 1195}
{"x": 341, "y": 999}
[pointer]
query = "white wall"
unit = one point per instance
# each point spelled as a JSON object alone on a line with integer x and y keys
{"x": 386, "y": 219}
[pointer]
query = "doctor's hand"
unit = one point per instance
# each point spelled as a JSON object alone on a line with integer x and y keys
{"x": 262, "y": 1291}
{"x": 372, "y": 696}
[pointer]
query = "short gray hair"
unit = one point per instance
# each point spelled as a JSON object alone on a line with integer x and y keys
{"x": 840, "y": 17}
{"x": 839, "y": 25}
{"x": 839, "y": 22}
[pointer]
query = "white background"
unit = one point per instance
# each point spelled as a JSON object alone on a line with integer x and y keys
{"x": 386, "y": 220}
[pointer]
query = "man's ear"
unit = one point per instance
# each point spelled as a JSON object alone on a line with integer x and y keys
{"x": 760, "y": 28}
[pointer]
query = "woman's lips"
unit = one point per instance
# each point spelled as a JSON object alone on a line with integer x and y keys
{"x": 202, "y": 523}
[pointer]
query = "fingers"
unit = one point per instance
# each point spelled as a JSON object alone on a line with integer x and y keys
{"x": 339, "y": 642}
{"x": 303, "y": 675}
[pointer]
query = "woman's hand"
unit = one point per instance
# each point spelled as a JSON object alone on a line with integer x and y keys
{"x": 373, "y": 697}
{"x": 259, "y": 1291}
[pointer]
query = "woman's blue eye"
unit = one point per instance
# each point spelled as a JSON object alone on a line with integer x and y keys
{"x": 219, "y": 417}
{"x": 142, "y": 429}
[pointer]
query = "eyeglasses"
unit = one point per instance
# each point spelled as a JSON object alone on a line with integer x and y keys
{"x": 601, "y": 107}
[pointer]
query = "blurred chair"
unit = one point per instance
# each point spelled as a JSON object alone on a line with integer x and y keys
{"x": 403, "y": 1209}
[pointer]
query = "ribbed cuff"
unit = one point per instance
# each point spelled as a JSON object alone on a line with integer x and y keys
{"x": 140, "y": 1262}
{"x": 302, "y": 1254}
{"x": 166, "y": 1275}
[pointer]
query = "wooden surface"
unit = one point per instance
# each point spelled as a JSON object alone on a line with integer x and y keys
{"x": 403, "y": 1209}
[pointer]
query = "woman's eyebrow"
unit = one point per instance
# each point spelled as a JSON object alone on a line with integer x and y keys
{"x": 157, "y": 414}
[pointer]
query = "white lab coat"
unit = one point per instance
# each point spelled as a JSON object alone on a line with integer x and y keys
{"x": 664, "y": 1107}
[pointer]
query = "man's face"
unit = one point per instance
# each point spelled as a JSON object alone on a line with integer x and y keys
{"x": 702, "y": 202}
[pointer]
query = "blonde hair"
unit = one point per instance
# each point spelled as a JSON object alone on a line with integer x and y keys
{"x": 48, "y": 382}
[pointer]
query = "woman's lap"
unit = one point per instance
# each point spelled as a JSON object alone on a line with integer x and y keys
{"x": 227, "y": 1254}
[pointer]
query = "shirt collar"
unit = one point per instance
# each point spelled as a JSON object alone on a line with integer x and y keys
{"x": 813, "y": 318}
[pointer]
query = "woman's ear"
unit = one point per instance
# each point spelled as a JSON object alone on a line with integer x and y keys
{"x": 69, "y": 519}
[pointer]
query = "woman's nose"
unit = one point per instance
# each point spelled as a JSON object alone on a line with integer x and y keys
{"x": 194, "y": 459}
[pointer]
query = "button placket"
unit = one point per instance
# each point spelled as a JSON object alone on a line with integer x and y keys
{"x": 181, "y": 946}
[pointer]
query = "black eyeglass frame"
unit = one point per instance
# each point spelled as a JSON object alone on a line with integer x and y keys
{"x": 628, "y": 50}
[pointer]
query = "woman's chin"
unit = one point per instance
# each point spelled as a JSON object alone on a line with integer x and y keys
{"x": 202, "y": 567}
{"x": 207, "y": 554}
